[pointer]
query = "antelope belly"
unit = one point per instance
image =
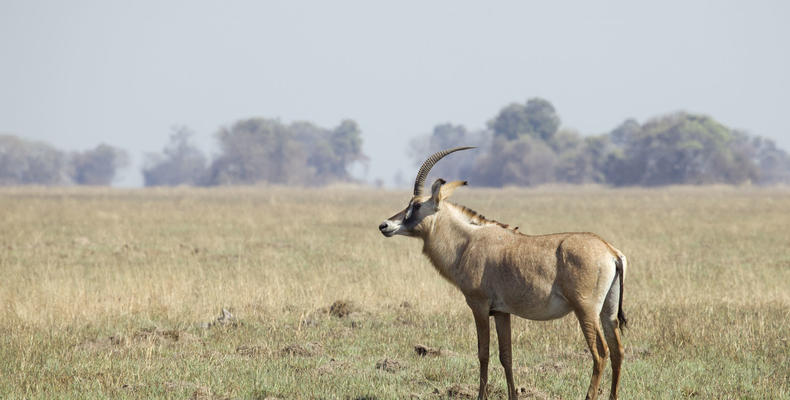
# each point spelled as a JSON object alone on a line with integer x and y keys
{"x": 553, "y": 307}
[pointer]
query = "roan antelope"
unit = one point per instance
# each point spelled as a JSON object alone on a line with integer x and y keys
{"x": 501, "y": 272}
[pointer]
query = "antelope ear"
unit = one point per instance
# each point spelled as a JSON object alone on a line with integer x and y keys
{"x": 442, "y": 189}
{"x": 447, "y": 189}
{"x": 436, "y": 189}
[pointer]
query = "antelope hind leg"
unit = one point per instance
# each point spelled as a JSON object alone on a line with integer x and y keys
{"x": 591, "y": 328}
{"x": 611, "y": 330}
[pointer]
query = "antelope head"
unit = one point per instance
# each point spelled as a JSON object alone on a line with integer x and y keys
{"x": 419, "y": 214}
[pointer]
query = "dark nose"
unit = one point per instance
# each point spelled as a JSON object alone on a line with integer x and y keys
{"x": 382, "y": 226}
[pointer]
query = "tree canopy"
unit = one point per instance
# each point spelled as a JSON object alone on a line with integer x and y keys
{"x": 536, "y": 118}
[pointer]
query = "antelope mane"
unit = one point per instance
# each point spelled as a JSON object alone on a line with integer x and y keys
{"x": 475, "y": 218}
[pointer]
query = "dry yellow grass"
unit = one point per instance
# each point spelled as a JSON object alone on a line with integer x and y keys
{"x": 105, "y": 294}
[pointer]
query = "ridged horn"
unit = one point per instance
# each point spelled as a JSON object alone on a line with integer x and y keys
{"x": 422, "y": 174}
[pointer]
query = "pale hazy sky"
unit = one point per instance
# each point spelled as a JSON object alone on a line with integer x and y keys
{"x": 77, "y": 73}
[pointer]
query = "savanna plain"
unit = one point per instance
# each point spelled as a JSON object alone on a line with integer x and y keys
{"x": 116, "y": 293}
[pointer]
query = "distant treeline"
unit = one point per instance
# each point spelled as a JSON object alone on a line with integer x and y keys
{"x": 29, "y": 162}
{"x": 522, "y": 145}
{"x": 260, "y": 150}
{"x": 251, "y": 151}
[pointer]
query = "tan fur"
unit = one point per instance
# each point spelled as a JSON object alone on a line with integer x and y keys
{"x": 502, "y": 272}
{"x": 476, "y": 218}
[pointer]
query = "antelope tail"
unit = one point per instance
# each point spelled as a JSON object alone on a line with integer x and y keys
{"x": 621, "y": 265}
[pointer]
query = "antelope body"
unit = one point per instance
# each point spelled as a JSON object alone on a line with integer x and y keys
{"x": 501, "y": 272}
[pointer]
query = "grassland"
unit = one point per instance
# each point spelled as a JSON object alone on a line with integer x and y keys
{"x": 116, "y": 293}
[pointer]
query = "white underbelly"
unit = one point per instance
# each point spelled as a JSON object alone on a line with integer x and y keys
{"x": 555, "y": 306}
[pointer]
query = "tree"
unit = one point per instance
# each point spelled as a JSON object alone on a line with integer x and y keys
{"x": 584, "y": 162}
{"x": 536, "y": 118}
{"x": 445, "y": 136}
{"x": 257, "y": 150}
{"x": 266, "y": 150}
{"x": 181, "y": 162}
{"x": 346, "y": 143}
{"x": 625, "y": 132}
{"x": 525, "y": 161}
{"x": 330, "y": 152}
{"x": 676, "y": 149}
{"x": 97, "y": 166}
{"x": 24, "y": 162}
{"x": 773, "y": 163}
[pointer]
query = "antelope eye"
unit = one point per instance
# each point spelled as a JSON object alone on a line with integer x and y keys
{"x": 416, "y": 206}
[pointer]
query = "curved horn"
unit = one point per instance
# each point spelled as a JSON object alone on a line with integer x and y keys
{"x": 428, "y": 164}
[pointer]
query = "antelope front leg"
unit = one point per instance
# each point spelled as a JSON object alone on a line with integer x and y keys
{"x": 505, "y": 354}
{"x": 483, "y": 332}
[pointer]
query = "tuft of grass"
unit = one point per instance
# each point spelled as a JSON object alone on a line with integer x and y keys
{"x": 111, "y": 293}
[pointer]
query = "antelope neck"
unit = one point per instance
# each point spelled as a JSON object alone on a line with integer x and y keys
{"x": 446, "y": 239}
